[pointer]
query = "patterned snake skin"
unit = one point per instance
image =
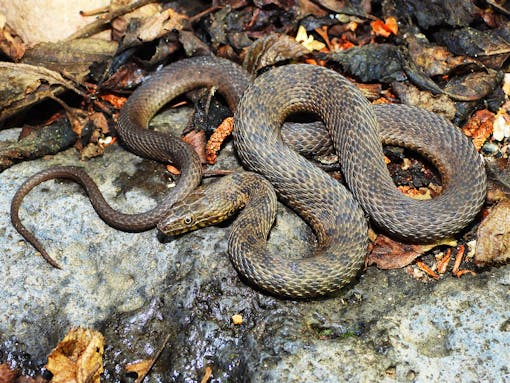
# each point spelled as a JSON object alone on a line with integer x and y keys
{"x": 356, "y": 128}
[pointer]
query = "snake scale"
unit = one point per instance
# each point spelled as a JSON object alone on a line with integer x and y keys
{"x": 357, "y": 129}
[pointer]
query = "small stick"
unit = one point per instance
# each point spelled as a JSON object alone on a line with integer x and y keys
{"x": 154, "y": 360}
{"x": 100, "y": 23}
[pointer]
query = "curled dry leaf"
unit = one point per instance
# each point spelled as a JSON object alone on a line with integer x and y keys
{"x": 385, "y": 28}
{"x": 388, "y": 254}
{"x": 434, "y": 60}
{"x": 493, "y": 244}
{"x": 141, "y": 367}
{"x": 78, "y": 358}
{"x": 271, "y": 50}
{"x": 156, "y": 26}
{"x": 308, "y": 41}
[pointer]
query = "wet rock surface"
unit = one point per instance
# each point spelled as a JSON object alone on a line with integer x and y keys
{"x": 137, "y": 290}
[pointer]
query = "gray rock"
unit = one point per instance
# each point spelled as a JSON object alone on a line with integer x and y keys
{"x": 136, "y": 290}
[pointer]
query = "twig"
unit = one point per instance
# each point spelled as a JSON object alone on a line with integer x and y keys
{"x": 198, "y": 16}
{"x": 154, "y": 360}
{"x": 100, "y": 23}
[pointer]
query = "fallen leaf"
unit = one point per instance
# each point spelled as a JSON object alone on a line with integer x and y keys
{"x": 271, "y": 50}
{"x": 140, "y": 367}
{"x": 197, "y": 140}
{"x": 388, "y": 254}
{"x": 493, "y": 244}
{"x": 308, "y": 41}
{"x": 78, "y": 358}
{"x": 385, "y": 28}
{"x": 155, "y": 27}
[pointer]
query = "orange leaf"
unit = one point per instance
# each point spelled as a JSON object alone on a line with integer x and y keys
{"x": 78, "y": 358}
{"x": 385, "y": 29}
{"x": 116, "y": 101}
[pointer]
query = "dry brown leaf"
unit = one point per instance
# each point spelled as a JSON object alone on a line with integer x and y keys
{"x": 156, "y": 26}
{"x": 493, "y": 244}
{"x": 141, "y": 367}
{"x": 197, "y": 140}
{"x": 270, "y": 50}
{"x": 78, "y": 358}
{"x": 388, "y": 254}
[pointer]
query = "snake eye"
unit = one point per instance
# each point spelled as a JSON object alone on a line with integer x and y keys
{"x": 188, "y": 220}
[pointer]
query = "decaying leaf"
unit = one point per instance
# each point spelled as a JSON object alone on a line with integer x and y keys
{"x": 385, "y": 28}
{"x": 140, "y": 368}
{"x": 434, "y": 60}
{"x": 388, "y": 254}
{"x": 23, "y": 85}
{"x": 411, "y": 95}
{"x": 498, "y": 171}
{"x": 473, "y": 86}
{"x": 364, "y": 62}
{"x": 270, "y": 50}
{"x": 476, "y": 43}
{"x": 197, "y": 140}
{"x": 156, "y": 26}
{"x": 78, "y": 358}
{"x": 493, "y": 244}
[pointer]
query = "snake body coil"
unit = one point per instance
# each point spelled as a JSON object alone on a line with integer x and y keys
{"x": 357, "y": 129}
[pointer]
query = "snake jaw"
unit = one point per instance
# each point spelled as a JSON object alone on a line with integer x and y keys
{"x": 206, "y": 206}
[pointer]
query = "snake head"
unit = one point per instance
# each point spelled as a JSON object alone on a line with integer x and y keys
{"x": 205, "y": 206}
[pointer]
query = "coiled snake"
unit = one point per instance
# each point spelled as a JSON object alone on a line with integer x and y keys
{"x": 356, "y": 128}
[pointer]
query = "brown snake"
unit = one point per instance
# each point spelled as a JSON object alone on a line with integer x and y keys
{"x": 356, "y": 128}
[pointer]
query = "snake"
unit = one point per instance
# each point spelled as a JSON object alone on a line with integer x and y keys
{"x": 336, "y": 213}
